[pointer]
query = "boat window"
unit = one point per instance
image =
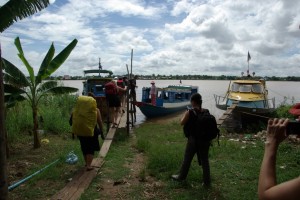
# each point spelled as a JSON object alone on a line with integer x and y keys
{"x": 257, "y": 88}
{"x": 235, "y": 87}
{"x": 178, "y": 96}
{"x": 99, "y": 88}
{"x": 245, "y": 88}
{"x": 159, "y": 94}
{"x": 165, "y": 95}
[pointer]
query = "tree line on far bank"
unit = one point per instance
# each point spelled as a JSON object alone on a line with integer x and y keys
{"x": 185, "y": 77}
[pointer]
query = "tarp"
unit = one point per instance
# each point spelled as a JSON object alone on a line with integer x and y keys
{"x": 295, "y": 109}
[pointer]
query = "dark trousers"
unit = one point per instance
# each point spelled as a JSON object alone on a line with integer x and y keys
{"x": 200, "y": 148}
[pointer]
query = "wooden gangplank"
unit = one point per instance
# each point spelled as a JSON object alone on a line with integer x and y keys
{"x": 81, "y": 181}
{"x": 228, "y": 112}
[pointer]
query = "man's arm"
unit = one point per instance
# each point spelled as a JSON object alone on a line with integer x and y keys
{"x": 267, "y": 188}
{"x": 185, "y": 118}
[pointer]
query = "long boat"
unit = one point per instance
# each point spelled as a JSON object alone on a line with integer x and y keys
{"x": 169, "y": 100}
{"x": 251, "y": 96}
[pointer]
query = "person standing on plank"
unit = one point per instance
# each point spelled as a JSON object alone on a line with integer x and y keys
{"x": 153, "y": 92}
{"x": 84, "y": 120}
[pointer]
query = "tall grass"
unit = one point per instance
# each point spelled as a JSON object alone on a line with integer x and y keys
{"x": 54, "y": 113}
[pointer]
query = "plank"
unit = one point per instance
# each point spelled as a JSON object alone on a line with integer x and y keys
{"x": 226, "y": 114}
{"x": 123, "y": 121}
{"x": 108, "y": 140}
{"x": 82, "y": 180}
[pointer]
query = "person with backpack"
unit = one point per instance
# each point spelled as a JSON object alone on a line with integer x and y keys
{"x": 200, "y": 128}
{"x": 84, "y": 120}
{"x": 113, "y": 100}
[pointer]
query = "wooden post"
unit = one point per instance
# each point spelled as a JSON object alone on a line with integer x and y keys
{"x": 131, "y": 64}
{"x": 127, "y": 92}
{"x": 3, "y": 164}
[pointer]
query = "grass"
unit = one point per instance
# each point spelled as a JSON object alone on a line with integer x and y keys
{"x": 235, "y": 166}
{"x": 25, "y": 160}
{"x": 113, "y": 169}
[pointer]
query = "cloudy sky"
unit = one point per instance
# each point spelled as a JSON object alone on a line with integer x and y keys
{"x": 210, "y": 37}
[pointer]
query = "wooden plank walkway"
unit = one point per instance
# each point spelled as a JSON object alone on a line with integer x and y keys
{"x": 81, "y": 181}
{"x": 227, "y": 113}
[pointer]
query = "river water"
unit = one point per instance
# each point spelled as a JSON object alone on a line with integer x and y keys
{"x": 281, "y": 90}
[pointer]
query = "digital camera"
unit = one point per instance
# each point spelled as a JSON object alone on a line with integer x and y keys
{"x": 293, "y": 128}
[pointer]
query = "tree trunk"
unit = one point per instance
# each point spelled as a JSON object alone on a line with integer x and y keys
{"x": 3, "y": 164}
{"x": 6, "y": 135}
{"x": 36, "y": 138}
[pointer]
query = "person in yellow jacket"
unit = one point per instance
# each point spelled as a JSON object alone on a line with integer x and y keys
{"x": 84, "y": 120}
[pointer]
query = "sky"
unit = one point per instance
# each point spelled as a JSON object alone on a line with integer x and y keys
{"x": 197, "y": 37}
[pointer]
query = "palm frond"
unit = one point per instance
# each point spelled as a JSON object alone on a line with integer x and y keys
{"x": 47, "y": 85}
{"x": 10, "y": 100}
{"x": 12, "y": 89}
{"x": 15, "y": 10}
{"x": 45, "y": 64}
{"x": 24, "y": 60}
{"x": 18, "y": 76}
{"x": 59, "y": 59}
{"x": 61, "y": 90}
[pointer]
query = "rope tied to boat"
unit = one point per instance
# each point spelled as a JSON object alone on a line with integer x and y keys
{"x": 256, "y": 115}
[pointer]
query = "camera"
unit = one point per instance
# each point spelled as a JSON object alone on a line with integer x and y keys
{"x": 293, "y": 128}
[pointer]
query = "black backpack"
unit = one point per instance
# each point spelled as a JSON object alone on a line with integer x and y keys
{"x": 202, "y": 126}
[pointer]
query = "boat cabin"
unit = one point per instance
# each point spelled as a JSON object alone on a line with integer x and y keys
{"x": 95, "y": 83}
{"x": 170, "y": 94}
{"x": 248, "y": 87}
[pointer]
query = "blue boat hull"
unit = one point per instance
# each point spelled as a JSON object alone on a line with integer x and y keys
{"x": 151, "y": 111}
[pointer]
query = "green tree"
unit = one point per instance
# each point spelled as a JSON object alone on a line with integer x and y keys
{"x": 18, "y": 87}
{"x": 10, "y": 12}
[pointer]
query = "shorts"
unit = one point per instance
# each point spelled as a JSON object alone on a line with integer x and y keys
{"x": 113, "y": 100}
{"x": 89, "y": 144}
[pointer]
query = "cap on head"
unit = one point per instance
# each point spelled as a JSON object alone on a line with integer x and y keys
{"x": 152, "y": 82}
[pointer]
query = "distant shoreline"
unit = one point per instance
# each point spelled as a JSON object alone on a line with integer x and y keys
{"x": 296, "y": 79}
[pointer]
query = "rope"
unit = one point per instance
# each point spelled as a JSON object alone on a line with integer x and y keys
{"x": 288, "y": 98}
{"x": 261, "y": 116}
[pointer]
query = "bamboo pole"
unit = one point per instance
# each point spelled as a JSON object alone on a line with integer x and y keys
{"x": 127, "y": 103}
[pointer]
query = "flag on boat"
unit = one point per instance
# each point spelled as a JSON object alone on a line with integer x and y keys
{"x": 249, "y": 57}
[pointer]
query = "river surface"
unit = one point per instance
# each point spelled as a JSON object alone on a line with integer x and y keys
{"x": 281, "y": 90}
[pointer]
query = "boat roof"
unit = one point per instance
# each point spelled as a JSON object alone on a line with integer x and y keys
{"x": 94, "y": 71}
{"x": 181, "y": 87}
{"x": 247, "y": 81}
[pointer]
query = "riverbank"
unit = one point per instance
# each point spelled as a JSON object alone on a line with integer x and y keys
{"x": 139, "y": 166}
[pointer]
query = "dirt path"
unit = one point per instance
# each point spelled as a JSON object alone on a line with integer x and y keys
{"x": 136, "y": 184}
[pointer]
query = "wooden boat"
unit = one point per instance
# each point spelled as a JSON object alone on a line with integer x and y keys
{"x": 251, "y": 95}
{"x": 169, "y": 100}
{"x": 95, "y": 84}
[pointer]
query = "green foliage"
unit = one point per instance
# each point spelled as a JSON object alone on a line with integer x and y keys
{"x": 283, "y": 112}
{"x": 33, "y": 89}
{"x": 15, "y": 10}
{"x": 55, "y": 111}
{"x": 18, "y": 122}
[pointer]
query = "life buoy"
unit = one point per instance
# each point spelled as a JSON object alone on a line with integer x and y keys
{"x": 295, "y": 109}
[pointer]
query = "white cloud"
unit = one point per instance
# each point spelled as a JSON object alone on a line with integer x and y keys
{"x": 181, "y": 37}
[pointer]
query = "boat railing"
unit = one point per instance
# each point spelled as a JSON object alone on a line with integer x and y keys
{"x": 220, "y": 100}
{"x": 271, "y": 103}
